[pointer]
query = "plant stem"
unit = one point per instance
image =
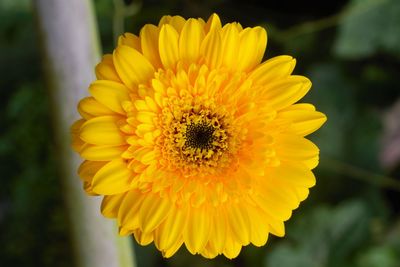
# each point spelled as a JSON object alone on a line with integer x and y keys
{"x": 358, "y": 173}
{"x": 70, "y": 42}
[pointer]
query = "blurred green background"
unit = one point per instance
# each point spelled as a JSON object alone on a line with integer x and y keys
{"x": 351, "y": 52}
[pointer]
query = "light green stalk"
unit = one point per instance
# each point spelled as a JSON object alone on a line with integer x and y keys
{"x": 70, "y": 42}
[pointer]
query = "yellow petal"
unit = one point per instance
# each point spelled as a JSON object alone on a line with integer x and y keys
{"x": 101, "y": 153}
{"x": 283, "y": 93}
{"x": 302, "y": 193}
{"x": 168, "y": 45}
{"x": 190, "y": 41}
{"x": 272, "y": 69}
{"x": 280, "y": 190}
{"x": 219, "y": 228}
{"x": 88, "y": 169}
{"x": 143, "y": 238}
{"x": 127, "y": 129}
{"x": 123, "y": 231}
{"x": 171, "y": 251}
{"x": 89, "y": 107}
{"x": 143, "y": 128}
{"x": 112, "y": 178}
{"x": 230, "y": 45}
{"x": 146, "y": 117}
{"x": 209, "y": 252}
{"x": 148, "y": 158}
{"x": 213, "y": 23}
{"x": 273, "y": 207}
{"x": 87, "y": 186}
{"x": 171, "y": 229}
{"x": 239, "y": 222}
{"x": 141, "y": 105}
{"x": 164, "y": 20}
{"x": 105, "y": 70}
{"x": 77, "y": 142}
{"x": 297, "y": 149}
{"x": 77, "y": 125}
{"x": 152, "y": 104}
{"x": 286, "y": 197}
{"x": 293, "y": 174}
{"x": 211, "y": 49}
{"x": 197, "y": 231}
{"x": 128, "y": 213}
{"x": 153, "y": 212}
{"x": 253, "y": 42}
{"x": 259, "y": 227}
{"x": 110, "y": 94}
{"x": 130, "y": 40}
{"x": 303, "y": 121}
{"x": 102, "y": 131}
{"x": 177, "y": 22}
{"x": 232, "y": 247}
{"x": 277, "y": 228}
{"x": 149, "y": 40}
{"x": 110, "y": 205}
{"x": 300, "y": 106}
{"x": 140, "y": 152}
{"x": 132, "y": 67}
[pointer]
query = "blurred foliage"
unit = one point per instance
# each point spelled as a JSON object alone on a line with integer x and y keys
{"x": 336, "y": 237}
{"x": 369, "y": 26}
{"x": 32, "y": 216}
{"x": 349, "y": 49}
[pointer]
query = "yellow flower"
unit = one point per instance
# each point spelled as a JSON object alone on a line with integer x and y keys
{"x": 192, "y": 140}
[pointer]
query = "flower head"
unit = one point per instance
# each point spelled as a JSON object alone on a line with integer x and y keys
{"x": 192, "y": 140}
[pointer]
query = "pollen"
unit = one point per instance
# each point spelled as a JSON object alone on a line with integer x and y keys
{"x": 199, "y": 136}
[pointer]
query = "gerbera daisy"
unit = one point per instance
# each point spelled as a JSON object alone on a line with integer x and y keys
{"x": 192, "y": 140}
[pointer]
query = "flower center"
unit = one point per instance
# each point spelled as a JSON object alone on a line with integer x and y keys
{"x": 196, "y": 142}
{"x": 199, "y": 135}
{"x": 201, "y": 139}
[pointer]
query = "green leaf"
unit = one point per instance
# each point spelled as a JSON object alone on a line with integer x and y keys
{"x": 369, "y": 26}
{"x": 333, "y": 94}
{"x": 323, "y": 237}
{"x": 384, "y": 256}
